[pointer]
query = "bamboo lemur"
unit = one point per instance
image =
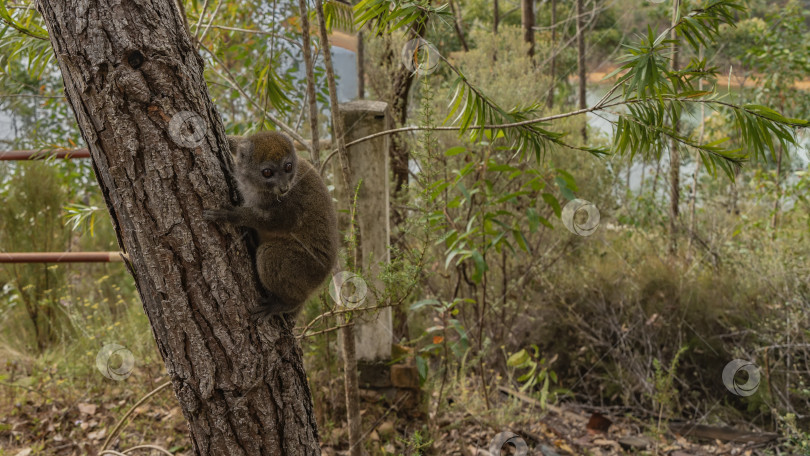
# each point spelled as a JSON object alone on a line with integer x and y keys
{"x": 289, "y": 207}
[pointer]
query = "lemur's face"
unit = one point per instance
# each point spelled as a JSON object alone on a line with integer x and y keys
{"x": 266, "y": 161}
{"x": 277, "y": 175}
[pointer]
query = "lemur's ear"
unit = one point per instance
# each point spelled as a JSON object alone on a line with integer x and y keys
{"x": 240, "y": 147}
{"x": 233, "y": 142}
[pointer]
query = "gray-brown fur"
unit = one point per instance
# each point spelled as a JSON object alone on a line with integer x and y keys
{"x": 293, "y": 215}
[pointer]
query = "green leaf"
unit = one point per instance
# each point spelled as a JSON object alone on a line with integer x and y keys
{"x": 551, "y": 200}
{"x": 533, "y": 218}
{"x": 421, "y": 368}
{"x": 480, "y": 266}
{"x": 425, "y": 302}
{"x": 564, "y": 189}
{"x": 518, "y": 359}
{"x": 453, "y": 151}
{"x": 521, "y": 240}
{"x": 569, "y": 179}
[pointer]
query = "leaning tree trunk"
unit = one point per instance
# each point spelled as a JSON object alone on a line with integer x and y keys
{"x": 160, "y": 156}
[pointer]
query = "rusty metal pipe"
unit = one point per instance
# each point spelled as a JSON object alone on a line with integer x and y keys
{"x": 43, "y": 154}
{"x": 18, "y": 155}
{"x": 61, "y": 257}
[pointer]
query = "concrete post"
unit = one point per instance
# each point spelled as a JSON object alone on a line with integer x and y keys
{"x": 370, "y": 168}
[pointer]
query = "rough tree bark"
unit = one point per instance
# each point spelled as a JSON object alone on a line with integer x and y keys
{"x": 401, "y": 82}
{"x": 129, "y": 69}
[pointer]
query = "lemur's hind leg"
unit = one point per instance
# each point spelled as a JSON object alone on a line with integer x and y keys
{"x": 286, "y": 273}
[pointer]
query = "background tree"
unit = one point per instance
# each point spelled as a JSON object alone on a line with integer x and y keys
{"x": 581, "y": 69}
{"x": 674, "y": 156}
{"x": 553, "y": 69}
{"x": 527, "y": 19}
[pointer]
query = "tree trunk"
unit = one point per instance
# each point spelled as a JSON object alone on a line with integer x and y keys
{"x": 399, "y": 154}
{"x": 641, "y": 184}
{"x": 778, "y": 183}
{"x": 583, "y": 77}
{"x": 696, "y": 174}
{"x": 674, "y": 156}
{"x": 402, "y": 80}
{"x": 353, "y": 418}
{"x": 496, "y": 17}
{"x": 351, "y": 387}
{"x": 309, "y": 65}
{"x": 338, "y": 138}
{"x": 160, "y": 155}
{"x": 553, "y": 70}
{"x": 361, "y": 66}
{"x": 459, "y": 26}
{"x": 527, "y": 20}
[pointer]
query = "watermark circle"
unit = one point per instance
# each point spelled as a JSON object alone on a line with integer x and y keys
{"x": 187, "y": 129}
{"x": 580, "y": 206}
{"x": 348, "y": 289}
{"x": 740, "y": 365}
{"x": 113, "y": 370}
{"x": 419, "y": 56}
{"x": 497, "y": 443}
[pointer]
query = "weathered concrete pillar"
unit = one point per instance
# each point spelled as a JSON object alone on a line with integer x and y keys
{"x": 370, "y": 167}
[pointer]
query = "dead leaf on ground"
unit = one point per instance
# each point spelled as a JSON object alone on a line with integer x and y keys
{"x": 87, "y": 409}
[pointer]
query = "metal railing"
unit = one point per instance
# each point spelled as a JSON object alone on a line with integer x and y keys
{"x": 54, "y": 257}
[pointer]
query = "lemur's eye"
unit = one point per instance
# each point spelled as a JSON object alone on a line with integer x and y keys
{"x": 288, "y": 167}
{"x": 267, "y": 172}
